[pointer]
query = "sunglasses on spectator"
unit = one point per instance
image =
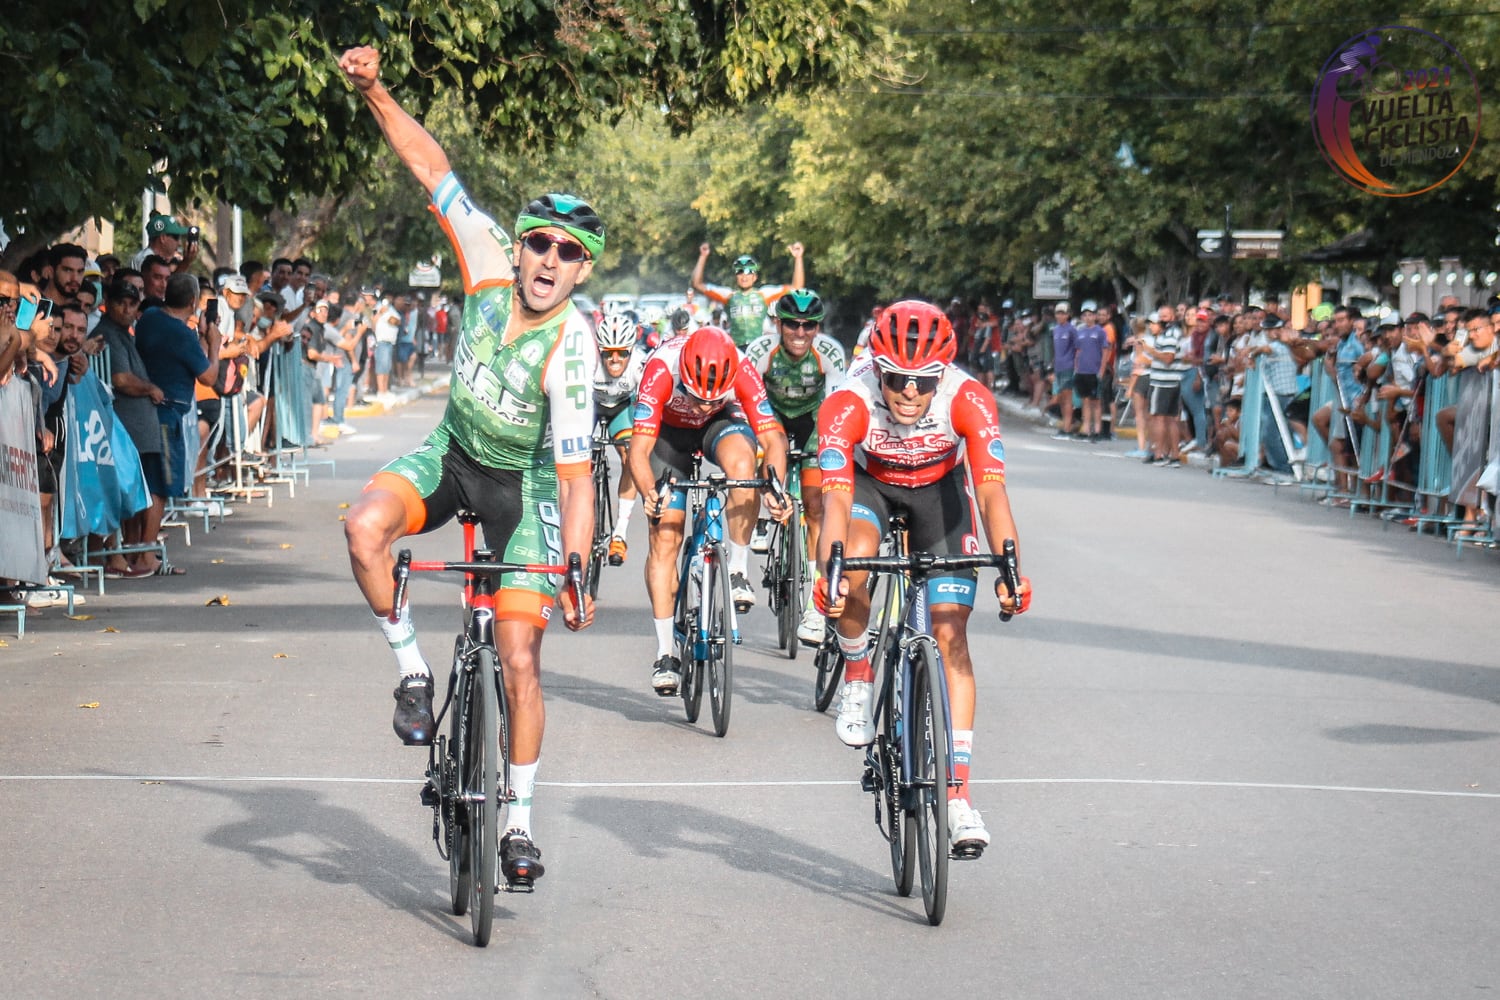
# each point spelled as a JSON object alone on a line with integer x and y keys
{"x": 800, "y": 324}
{"x": 898, "y": 381}
{"x": 568, "y": 251}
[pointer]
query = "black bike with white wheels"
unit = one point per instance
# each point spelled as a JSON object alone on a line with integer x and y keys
{"x": 705, "y": 622}
{"x": 604, "y": 507}
{"x": 908, "y": 768}
{"x": 467, "y": 767}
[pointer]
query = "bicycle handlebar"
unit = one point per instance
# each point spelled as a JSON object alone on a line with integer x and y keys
{"x": 922, "y": 565}
{"x": 405, "y": 566}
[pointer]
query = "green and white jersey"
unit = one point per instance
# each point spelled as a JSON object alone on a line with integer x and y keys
{"x": 796, "y": 386}
{"x": 746, "y": 310}
{"x": 524, "y": 404}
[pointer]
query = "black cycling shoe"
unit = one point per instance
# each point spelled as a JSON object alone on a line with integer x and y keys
{"x": 520, "y": 860}
{"x": 666, "y": 674}
{"x": 413, "y": 719}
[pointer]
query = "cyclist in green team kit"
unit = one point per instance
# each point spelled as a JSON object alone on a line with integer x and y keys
{"x": 513, "y": 445}
{"x": 801, "y": 365}
{"x": 745, "y": 305}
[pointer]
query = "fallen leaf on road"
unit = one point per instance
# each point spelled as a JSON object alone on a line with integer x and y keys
{"x": 89, "y": 704}
{"x": 286, "y": 545}
{"x": 79, "y": 618}
{"x": 216, "y": 562}
{"x": 152, "y": 782}
{"x": 222, "y": 601}
{"x": 109, "y": 628}
{"x": 343, "y": 506}
{"x": 3, "y": 644}
{"x": 342, "y": 518}
{"x": 279, "y": 656}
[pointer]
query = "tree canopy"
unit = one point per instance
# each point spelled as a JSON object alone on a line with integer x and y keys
{"x": 243, "y": 102}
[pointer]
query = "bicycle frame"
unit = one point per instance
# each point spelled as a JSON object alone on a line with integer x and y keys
{"x": 915, "y": 617}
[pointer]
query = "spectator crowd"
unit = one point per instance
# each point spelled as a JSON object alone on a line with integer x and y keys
{"x": 144, "y": 393}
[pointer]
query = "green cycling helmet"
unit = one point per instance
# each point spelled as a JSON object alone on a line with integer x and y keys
{"x": 746, "y": 264}
{"x": 801, "y": 303}
{"x": 567, "y": 212}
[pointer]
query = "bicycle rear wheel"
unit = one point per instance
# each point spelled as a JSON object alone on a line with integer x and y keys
{"x": 901, "y": 830}
{"x": 455, "y": 808}
{"x": 720, "y": 643}
{"x": 794, "y": 565}
{"x": 604, "y": 520}
{"x": 482, "y": 789}
{"x": 829, "y": 663}
{"x": 929, "y": 769}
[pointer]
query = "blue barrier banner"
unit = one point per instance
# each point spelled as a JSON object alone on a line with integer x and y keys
{"x": 102, "y": 482}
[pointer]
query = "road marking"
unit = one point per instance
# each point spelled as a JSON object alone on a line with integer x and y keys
{"x": 210, "y": 779}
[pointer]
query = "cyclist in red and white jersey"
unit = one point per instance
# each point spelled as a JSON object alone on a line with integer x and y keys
{"x": 699, "y": 394}
{"x": 909, "y": 433}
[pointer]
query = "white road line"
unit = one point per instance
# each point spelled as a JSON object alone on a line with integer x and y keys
{"x": 211, "y": 779}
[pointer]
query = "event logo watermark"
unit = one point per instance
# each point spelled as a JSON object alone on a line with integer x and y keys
{"x": 1396, "y": 111}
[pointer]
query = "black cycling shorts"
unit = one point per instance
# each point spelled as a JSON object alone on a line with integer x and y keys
{"x": 940, "y": 519}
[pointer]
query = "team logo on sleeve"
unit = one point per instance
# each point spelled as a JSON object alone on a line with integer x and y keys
{"x": 764, "y": 408}
{"x": 997, "y": 450}
{"x": 642, "y": 411}
{"x": 831, "y": 460}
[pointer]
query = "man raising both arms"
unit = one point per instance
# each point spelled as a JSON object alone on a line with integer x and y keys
{"x": 513, "y": 444}
{"x": 911, "y": 434}
{"x": 745, "y": 305}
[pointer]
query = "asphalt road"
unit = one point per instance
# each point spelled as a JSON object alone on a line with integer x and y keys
{"x": 1242, "y": 746}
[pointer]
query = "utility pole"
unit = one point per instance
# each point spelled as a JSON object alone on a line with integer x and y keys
{"x": 1228, "y": 251}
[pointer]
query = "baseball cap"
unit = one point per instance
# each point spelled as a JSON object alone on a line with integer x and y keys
{"x": 91, "y": 269}
{"x": 1061, "y": 307}
{"x": 1418, "y": 317}
{"x": 322, "y": 304}
{"x": 272, "y": 297}
{"x": 1272, "y": 322}
{"x": 235, "y": 283}
{"x": 1154, "y": 316}
{"x": 165, "y": 224}
{"x": 371, "y": 291}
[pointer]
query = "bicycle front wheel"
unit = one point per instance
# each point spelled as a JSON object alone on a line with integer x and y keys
{"x": 900, "y": 830}
{"x": 829, "y": 663}
{"x": 929, "y": 769}
{"x": 720, "y": 643}
{"x": 482, "y": 789}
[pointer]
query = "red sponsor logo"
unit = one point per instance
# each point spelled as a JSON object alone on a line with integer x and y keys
{"x": 911, "y": 451}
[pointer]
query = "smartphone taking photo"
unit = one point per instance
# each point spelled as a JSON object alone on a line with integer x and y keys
{"x": 27, "y": 312}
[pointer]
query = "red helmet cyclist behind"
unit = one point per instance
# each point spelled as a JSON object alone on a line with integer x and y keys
{"x": 698, "y": 394}
{"x": 909, "y": 433}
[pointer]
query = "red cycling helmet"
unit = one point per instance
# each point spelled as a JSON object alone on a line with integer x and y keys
{"x": 913, "y": 336}
{"x": 708, "y": 363}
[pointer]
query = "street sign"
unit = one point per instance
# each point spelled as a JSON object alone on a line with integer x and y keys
{"x": 1049, "y": 278}
{"x": 1260, "y": 244}
{"x": 425, "y": 275}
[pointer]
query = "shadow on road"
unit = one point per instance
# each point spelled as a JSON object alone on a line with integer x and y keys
{"x": 653, "y": 828}
{"x": 349, "y": 850}
{"x": 1465, "y": 680}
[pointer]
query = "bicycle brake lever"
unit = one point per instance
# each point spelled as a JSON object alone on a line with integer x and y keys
{"x": 835, "y": 571}
{"x": 399, "y": 575}
{"x": 661, "y": 482}
{"x": 575, "y": 582}
{"x": 1010, "y": 573}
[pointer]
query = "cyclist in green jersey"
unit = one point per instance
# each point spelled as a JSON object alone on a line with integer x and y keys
{"x": 745, "y": 305}
{"x": 800, "y": 366}
{"x": 513, "y": 445}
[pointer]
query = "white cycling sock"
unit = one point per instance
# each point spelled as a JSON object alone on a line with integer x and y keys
{"x": 739, "y": 558}
{"x": 401, "y": 635}
{"x": 622, "y": 520}
{"x": 522, "y": 785}
{"x": 666, "y": 642}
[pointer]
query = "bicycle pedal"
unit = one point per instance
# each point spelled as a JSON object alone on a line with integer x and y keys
{"x": 867, "y": 780}
{"x": 616, "y": 561}
{"x": 430, "y": 796}
{"x": 966, "y": 852}
{"x": 666, "y": 692}
{"x": 518, "y": 884}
